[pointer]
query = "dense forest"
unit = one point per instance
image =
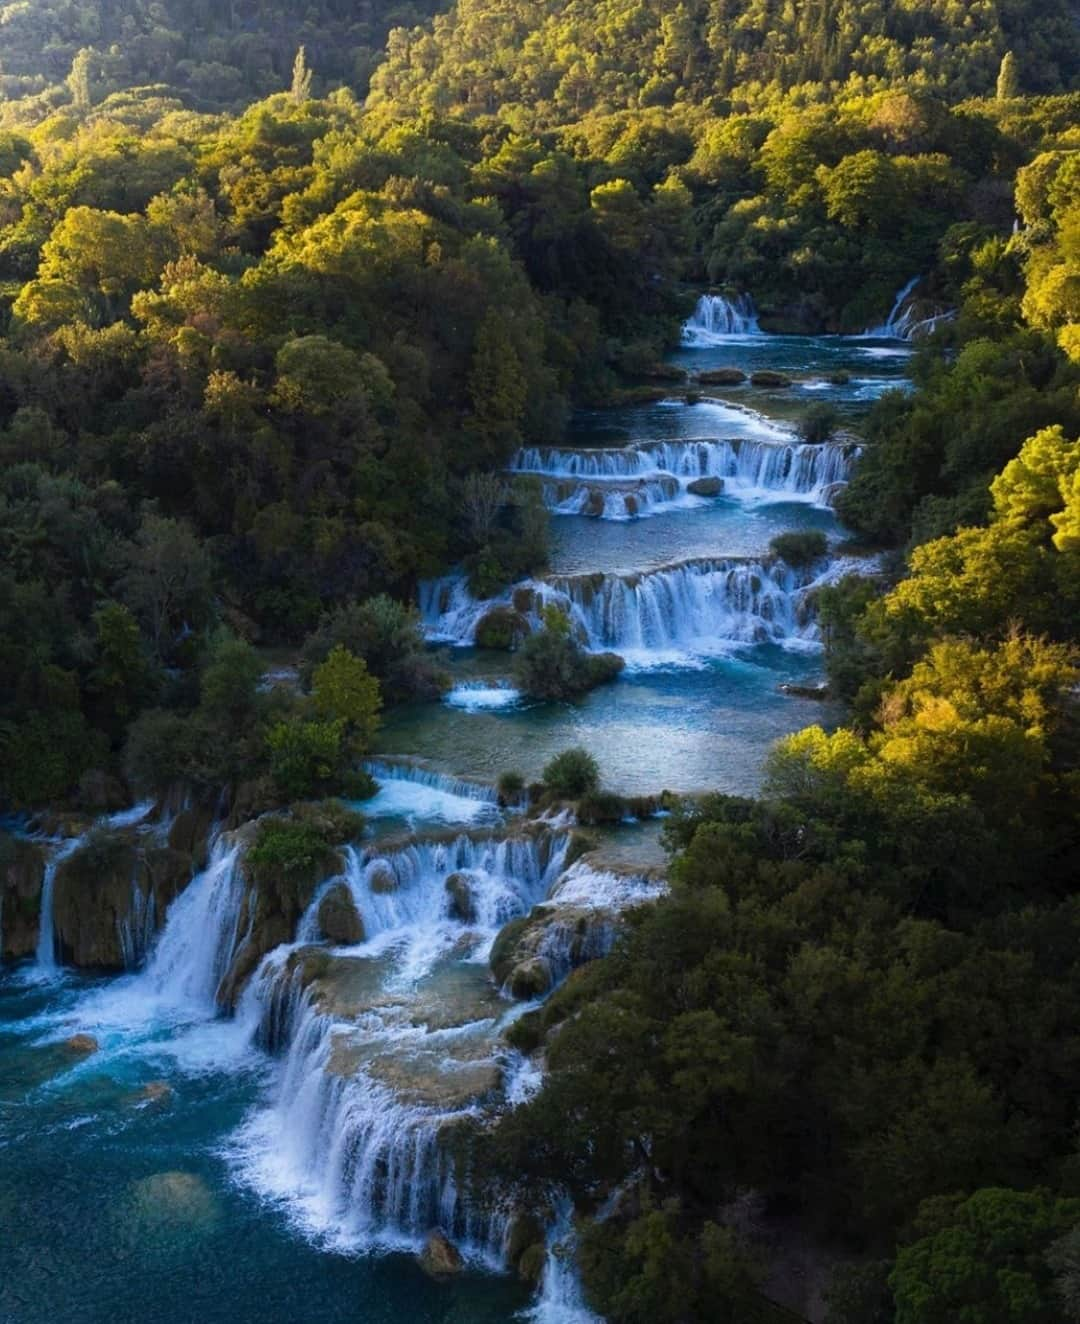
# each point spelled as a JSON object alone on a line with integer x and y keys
{"x": 266, "y": 340}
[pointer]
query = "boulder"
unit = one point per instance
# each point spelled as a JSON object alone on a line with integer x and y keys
{"x": 819, "y": 692}
{"x": 22, "y": 872}
{"x": 526, "y": 1250}
{"x": 530, "y": 1267}
{"x": 462, "y": 904}
{"x": 706, "y": 487}
{"x": 722, "y": 377}
{"x": 82, "y": 1044}
{"x": 502, "y": 628}
{"x": 382, "y": 880}
{"x": 173, "y": 1200}
{"x": 530, "y": 979}
{"x": 339, "y": 920}
{"x": 769, "y": 378}
{"x": 158, "y": 1091}
{"x": 440, "y": 1258}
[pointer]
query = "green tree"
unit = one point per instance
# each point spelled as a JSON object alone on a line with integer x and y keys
{"x": 1008, "y": 80}
{"x": 344, "y": 691}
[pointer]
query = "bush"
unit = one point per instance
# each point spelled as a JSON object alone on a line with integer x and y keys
{"x": 553, "y": 665}
{"x": 501, "y": 628}
{"x": 510, "y": 787}
{"x": 306, "y": 758}
{"x": 572, "y": 774}
{"x": 158, "y": 750}
{"x": 800, "y": 547}
{"x": 295, "y": 850}
{"x": 819, "y": 423}
{"x": 601, "y": 807}
{"x": 335, "y": 822}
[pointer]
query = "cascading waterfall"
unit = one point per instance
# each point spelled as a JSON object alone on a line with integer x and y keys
{"x": 201, "y": 934}
{"x": 693, "y": 608}
{"x": 606, "y": 501}
{"x": 392, "y": 1042}
{"x": 417, "y": 794}
{"x": 46, "y": 945}
{"x": 717, "y": 318}
{"x": 747, "y": 468}
{"x": 904, "y": 321}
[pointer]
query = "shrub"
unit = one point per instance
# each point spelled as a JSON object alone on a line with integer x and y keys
{"x": 158, "y": 750}
{"x": 501, "y": 628}
{"x": 510, "y": 787}
{"x": 819, "y": 423}
{"x": 306, "y": 757}
{"x": 553, "y": 665}
{"x": 335, "y": 822}
{"x": 572, "y": 774}
{"x": 601, "y": 807}
{"x": 800, "y": 547}
{"x": 290, "y": 849}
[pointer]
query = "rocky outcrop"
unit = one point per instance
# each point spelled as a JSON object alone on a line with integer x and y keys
{"x": 706, "y": 487}
{"x": 111, "y": 896}
{"x": 22, "y": 872}
{"x": 190, "y": 832}
{"x": 502, "y": 628}
{"x": 526, "y": 1249}
{"x": 339, "y": 920}
{"x": 462, "y": 903}
{"x": 81, "y": 1045}
{"x": 532, "y": 954}
{"x": 274, "y": 900}
{"x": 440, "y": 1259}
{"x": 722, "y": 377}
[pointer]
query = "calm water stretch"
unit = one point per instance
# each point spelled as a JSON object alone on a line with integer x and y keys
{"x": 282, "y": 1162}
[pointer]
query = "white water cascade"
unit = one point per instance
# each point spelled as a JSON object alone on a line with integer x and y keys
{"x": 757, "y": 469}
{"x": 387, "y": 1045}
{"x": 904, "y": 321}
{"x": 718, "y": 318}
{"x": 691, "y": 609}
{"x": 200, "y": 936}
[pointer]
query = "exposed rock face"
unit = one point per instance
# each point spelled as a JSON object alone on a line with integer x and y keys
{"x": 22, "y": 872}
{"x": 705, "y": 487}
{"x": 81, "y": 1044}
{"x": 462, "y": 902}
{"x": 269, "y": 914}
{"x": 190, "y": 833}
{"x": 110, "y": 897}
{"x": 339, "y": 920}
{"x": 440, "y": 1258}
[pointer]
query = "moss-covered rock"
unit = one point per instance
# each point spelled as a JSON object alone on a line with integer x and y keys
{"x": 22, "y": 872}
{"x": 339, "y": 920}
{"x": 462, "y": 903}
{"x": 93, "y": 897}
{"x": 767, "y": 377}
{"x": 502, "y": 628}
{"x": 530, "y": 979}
{"x": 530, "y": 1266}
{"x": 440, "y": 1259}
{"x": 722, "y": 377}
{"x": 190, "y": 832}
{"x": 382, "y": 880}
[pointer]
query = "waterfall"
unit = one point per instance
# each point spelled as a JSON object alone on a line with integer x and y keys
{"x": 45, "y": 954}
{"x": 747, "y": 468}
{"x": 718, "y": 318}
{"x": 692, "y": 608}
{"x": 904, "y": 322}
{"x": 421, "y": 795}
{"x": 200, "y": 934}
{"x": 406, "y": 889}
{"x": 387, "y": 1045}
{"x": 561, "y": 1300}
{"x": 474, "y": 696}
{"x": 643, "y": 497}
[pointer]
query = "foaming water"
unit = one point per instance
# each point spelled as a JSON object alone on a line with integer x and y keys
{"x": 481, "y": 696}
{"x": 415, "y": 795}
{"x": 561, "y": 1300}
{"x": 717, "y": 319}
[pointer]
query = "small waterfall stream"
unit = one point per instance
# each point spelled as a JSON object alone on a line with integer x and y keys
{"x": 717, "y": 318}
{"x": 906, "y": 320}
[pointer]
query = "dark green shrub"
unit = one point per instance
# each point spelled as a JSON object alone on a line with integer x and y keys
{"x": 553, "y": 665}
{"x": 288, "y": 848}
{"x": 572, "y": 774}
{"x": 501, "y": 628}
{"x": 800, "y": 547}
{"x": 601, "y": 807}
{"x": 819, "y": 423}
{"x": 510, "y": 787}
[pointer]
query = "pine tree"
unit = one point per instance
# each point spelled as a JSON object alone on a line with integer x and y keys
{"x": 1008, "y": 83}
{"x": 301, "y": 78}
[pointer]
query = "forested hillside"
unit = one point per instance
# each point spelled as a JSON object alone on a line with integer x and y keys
{"x": 212, "y": 53}
{"x": 268, "y": 347}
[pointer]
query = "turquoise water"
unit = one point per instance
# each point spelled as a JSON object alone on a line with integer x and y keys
{"x": 114, "y": 1209}
{"x": 121, "y": 1204}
